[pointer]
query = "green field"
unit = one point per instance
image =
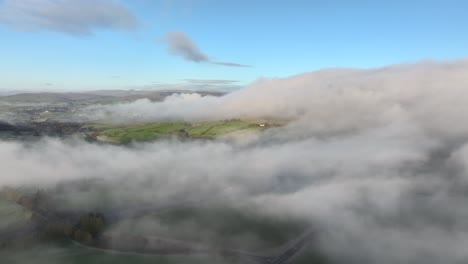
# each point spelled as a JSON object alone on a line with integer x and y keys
{"x": 75, "y": 254}
{"x": 12, "y": 215}
{"x": 220, "y": 227}
{"x": 155, "y": 131}
{"x": 212, "y": 226}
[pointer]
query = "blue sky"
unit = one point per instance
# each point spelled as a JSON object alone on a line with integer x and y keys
{"x": 77, "y": 50}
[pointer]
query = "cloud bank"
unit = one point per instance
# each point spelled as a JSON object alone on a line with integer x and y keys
{"x": 181, "y": 45}
{"x": 376, "y": 160}
{"x": 66, "y": 16}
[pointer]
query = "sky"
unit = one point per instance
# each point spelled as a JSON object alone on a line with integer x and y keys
{"x": 138, "y": 44}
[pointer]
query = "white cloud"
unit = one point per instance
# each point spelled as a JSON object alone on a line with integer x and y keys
{"x": 76, "y": 17}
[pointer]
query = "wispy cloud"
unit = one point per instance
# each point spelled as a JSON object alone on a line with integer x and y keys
{"x": 200, "y": 81}
{"x": 181, "y": 45}
{"x": 230, "y": 64}
{"x": 67, "y": 16}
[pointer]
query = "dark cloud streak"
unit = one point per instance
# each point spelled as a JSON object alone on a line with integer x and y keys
{"x": 181, "y": 45}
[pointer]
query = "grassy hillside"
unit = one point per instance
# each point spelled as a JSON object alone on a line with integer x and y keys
{"x": 149, "y": 132}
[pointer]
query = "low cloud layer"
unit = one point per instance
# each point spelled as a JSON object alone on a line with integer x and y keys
{"x": 191, "y": 85}
{"x": 376, "y": 160}
{"x": 181, "y": 45}
{"x": 67, "y": 16}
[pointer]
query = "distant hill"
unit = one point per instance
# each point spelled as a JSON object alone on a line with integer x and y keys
{"x": 50, "y": 97}
{"x": 94, "y": 97}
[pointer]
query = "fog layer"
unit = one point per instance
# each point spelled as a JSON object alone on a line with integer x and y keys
{"x": 375, "y": 159}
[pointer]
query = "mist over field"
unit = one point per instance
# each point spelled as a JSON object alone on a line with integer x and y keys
{"x": 428, "y": 95}
{"x": 374, "y": 159}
